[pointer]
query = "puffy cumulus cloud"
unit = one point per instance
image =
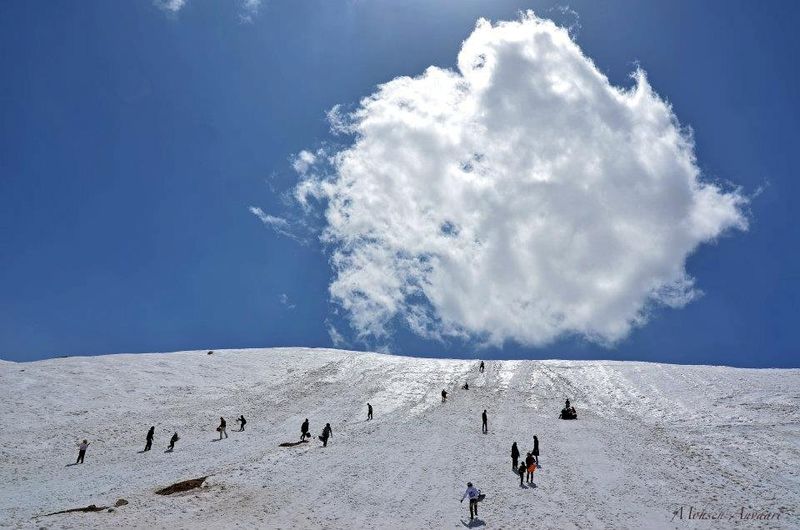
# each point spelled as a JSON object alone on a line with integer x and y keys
{"x": 522, "y": 197}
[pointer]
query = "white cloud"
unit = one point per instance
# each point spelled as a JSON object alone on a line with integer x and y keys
{"x": 522, "y": 197}
{"x": 303, "y": 161}
{"x": 285, "y": 301}
{"x": 269, "y": 220}
{"x": 171, "y": 6}
{"x": 337, "y": 339}
{"x": 248, "y": 8}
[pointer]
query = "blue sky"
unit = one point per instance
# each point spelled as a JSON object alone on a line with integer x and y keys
{"x": 133, "y": 140}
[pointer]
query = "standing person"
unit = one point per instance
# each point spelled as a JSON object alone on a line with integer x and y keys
{"x": 514, "y": 456}
{"x": 530, "y": 465}
{"x": 481, "y": 368}
{"x": 444, "y": 396}
{"x": 222, "y": 428}
{"x": 327, "y": 432}
{"x": 484, "y": 426}
{"x": 369, "y": 411}
{"x": 242, "y": 422}
{"x": 521, "y": 472}
{"x": 172, "y": 442}
{"x": 472, "y": 493}
{"x": 82, "y": 451}
{"x": 536, "y": 449}
{"x": 149, "y": 443}
{"x": 566, "y": 405}
{"x": 304, "y": 430}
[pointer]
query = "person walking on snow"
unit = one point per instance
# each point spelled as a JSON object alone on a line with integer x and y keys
{"x": 172, "y": 442}
{"x": 304, "y": 430}
{"x": 536, "y": 449}
{"x": 327, "y": 432}
{"x": 82, "y": 451}
{"x": 521, "y": 472}
{"x": 242, "y": 422}
{"x": 369, "y": 411}
{"x": 514, "y": 456}
{"x": 481, "y": 368}
{"x": 149, "y": 441}
{"x": 484, "y": 426}
{"x": 471, "y": 493}
{"x": 222, "y": 428}
{"x": 444, "y": 396}
{"x": 530, "y": 465}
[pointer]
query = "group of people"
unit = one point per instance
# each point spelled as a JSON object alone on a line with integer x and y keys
{"x": 527, "y": 467}
{"x": 568, "y": 412}
{"x": 524, "y": 468}
{"x": 327, "y": 431}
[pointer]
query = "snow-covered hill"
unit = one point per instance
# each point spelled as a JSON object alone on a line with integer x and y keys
{"x": 651, "y": 439}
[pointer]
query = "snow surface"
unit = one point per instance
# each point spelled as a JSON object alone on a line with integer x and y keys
{"x": 650, "y": 439}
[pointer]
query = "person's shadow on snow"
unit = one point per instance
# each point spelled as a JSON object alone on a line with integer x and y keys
{"x": 72, "y": 464}
{"x": 475, "y": 523}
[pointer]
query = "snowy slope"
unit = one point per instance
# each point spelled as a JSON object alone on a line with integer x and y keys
{"x": 650, "y": 438}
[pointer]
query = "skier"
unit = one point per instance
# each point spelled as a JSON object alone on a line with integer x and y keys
{"x": 521, "y": 471}
{"x": 304, "y": 430}
{"x": 369, "y": 411}
{"x": 172, "y": 442}
{"x": 222, "y": 428}
{"x": 242, "y": 422}
{"x": 484, "y": 426}
{"x": 536, "y": 449}
{"x": 530, "y": 464}
{"x": 514, "y": 456}
{"x": 327, "y": 432}
{"x": 82, "y": 451}
{"x": 472, "y": 493}
{"x": 481, "y": 368}
{"x": 444, "y": 396}
{"x": 149, "y": 443}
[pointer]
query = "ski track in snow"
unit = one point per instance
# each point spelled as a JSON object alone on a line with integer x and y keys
{"x": 649, "y": 438}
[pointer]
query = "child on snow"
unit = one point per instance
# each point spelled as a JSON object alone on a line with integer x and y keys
{"x": 473, "y": 494}
{"x": 82, "y": 451}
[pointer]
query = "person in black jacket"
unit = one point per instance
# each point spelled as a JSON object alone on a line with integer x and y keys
{"x": 172, "y": 442}
{"x": 514, "y": 456}
{"x": 242, "y": 422}
{"x": 369, "y": 411}
{"x": 222, "y": 428}
{"x": 521, "y": 472}
{"x": 536, "y": 449}
{"x": 481, "y": 367}
{"x": 327, "y": 432}
{"x": 149, "y": 441}
{"x": 485, "y": 425}
{"x": 444, "y": 396}
{"x": 304, "y": 430}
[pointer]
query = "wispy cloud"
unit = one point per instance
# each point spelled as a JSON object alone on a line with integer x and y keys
{"x": 278, "y": 224}
{"x": 170, "y": 6}
{"x": 248, "y": 9}
{"x": 284, "y": 298}
{"x": 337, "y": 338}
